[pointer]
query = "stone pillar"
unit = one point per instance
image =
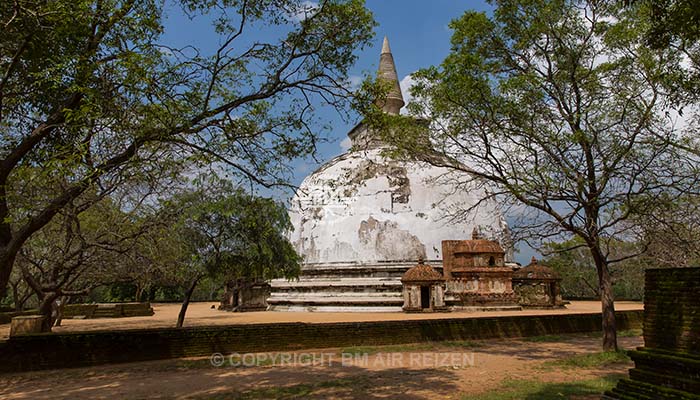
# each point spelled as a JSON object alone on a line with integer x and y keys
{"x": 411, "y": 298}
{"x": 439, "y": 298}
{"x": 415, "y": 297}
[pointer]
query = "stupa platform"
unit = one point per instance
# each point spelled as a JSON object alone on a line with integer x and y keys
{"x": 341, "y": 288}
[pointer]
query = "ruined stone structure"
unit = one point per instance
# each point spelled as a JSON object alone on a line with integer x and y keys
{"x": 362, "y": 220}
{"x": 245, "y": 295}
{"x": 537, "y": 286}
{"x": 26, "y": 325}
{"x": 668, "y": 366}
{"x": 423, "y": 289}
{"x": 477, "y": 276}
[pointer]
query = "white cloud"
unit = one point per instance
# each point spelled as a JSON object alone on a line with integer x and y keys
{"x": 303, "y": 11}
{"x": 166, "y": 51}
{"x": 354, "y": 82}
{"x": 406, "y": 83}
{"x": 345, "y": 144}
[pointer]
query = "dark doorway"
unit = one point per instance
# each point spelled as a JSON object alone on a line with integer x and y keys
{"x": 424, "y": 297}
{"x": 492, "y": 262}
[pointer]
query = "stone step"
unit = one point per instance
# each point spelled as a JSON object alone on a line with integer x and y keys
{"x": 335, "y": 300}
{"x": 374, "y": 266}
{"x": 327, "y": 308}
{"x": 325, "y": 295}
{"x": 340, "y": 282}
{"x": 336, "y": 274}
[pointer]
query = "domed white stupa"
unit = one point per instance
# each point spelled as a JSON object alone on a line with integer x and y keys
{"x": 363, "y": 219}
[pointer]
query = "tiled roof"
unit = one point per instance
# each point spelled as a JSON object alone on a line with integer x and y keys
{"x": 422, "y": 273}
{"x": 535, "y": 271}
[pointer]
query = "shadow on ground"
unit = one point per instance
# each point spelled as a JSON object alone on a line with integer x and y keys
{"x": 533, "y": 390}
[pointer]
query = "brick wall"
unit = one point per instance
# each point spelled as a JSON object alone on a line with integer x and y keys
{"x": 668, "y": 366}
{"x": 46, "y": 351}
{"x": 672, "y": 309}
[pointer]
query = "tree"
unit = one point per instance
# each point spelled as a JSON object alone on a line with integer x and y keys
{"x": 672, "y": 232}
{"x": 228, "y": 234}
{"x": 574, "y": 264}
{"x": 578, "y": 272}
{"x": 79, "y": 251}
{"x": 21, "y": 292}
{"x": 89, "y": 94}
{"x": 556, "y": 106}
{"x": 676, "y": 24}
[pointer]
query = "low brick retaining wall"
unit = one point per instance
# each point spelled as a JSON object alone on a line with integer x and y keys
{"x": 6, "y": 317}
{"x": 115, "y": 310}
{"x": 48, "y": 351}
{"x": 89, "y": 311}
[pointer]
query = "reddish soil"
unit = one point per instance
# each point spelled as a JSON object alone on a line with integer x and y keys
{"x": 424, "y": 371}
{"x": 200, "y": 314}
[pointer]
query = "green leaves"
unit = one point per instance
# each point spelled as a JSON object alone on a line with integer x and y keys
{"x": 231, "y": 234}
{"x": 91, "y": 97}
{"x": 560, "y": 106}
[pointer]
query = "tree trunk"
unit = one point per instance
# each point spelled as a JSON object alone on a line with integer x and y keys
{"x": 139, "y": 293}
{"x": 608, "y": 306}
{"x": 24, "y": 300}
{"x": 59, "y": 310}
{"x": 7, "y": 260}
{"x": 16, "y": 296}
{"x": 46, "y": 309}
{"x": 186, "y": 302}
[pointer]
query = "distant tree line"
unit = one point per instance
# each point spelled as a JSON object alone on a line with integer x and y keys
{"x": 179, "y": 248}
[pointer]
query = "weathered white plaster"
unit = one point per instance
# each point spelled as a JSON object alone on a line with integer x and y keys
{"x": 362, "y": 207}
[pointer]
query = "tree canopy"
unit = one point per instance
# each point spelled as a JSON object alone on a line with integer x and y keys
{"x": 225, "y": 233}
{"x": 559, "y": 107}
{"x": 91, "y": 96}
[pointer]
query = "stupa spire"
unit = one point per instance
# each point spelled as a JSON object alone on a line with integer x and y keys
{"x": 387, "y": 72}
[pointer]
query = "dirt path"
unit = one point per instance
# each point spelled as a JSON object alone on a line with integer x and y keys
{"x": 201, "y": 314}
{"x": 422, "y": 371}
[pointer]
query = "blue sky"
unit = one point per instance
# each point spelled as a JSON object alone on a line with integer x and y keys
{"x": 419, "y": 36}
{"x": 417, "y": 30}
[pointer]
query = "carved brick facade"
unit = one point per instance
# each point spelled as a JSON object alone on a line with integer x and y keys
{"x": 477, "y": 277}
{"x": 423, "y": 289}
{"x": 537, "y": 286}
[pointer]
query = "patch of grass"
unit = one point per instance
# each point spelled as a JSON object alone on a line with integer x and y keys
{"x": 623, "y": 333}
{"x": 565, "y": 337}
{"x": 630, "y": 333}
{"x": 460, "y": 344}
{"x": 536, "y": 390}
{"x": 360, "y": 350}
{"x": 397, "y": 348}
{"x": 591, "y": 360}
{"x": 300, "y": 391}
{"x": 411, "y": 347}
{"x": 545, "y": 338}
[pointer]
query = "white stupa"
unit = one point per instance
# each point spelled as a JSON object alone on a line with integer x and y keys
{"x": 362, "y": 219}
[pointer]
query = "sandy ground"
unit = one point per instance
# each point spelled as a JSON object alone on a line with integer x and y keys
{"x": 425, "y": 371}
{"x": 201, "y": 314}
